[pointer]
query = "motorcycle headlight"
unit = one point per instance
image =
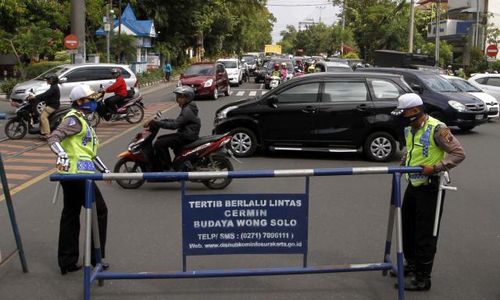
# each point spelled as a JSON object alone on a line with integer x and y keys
{"x": 208, "y": 83}
{"x": 223, "y": 113}
{"x": 457, "y": 105}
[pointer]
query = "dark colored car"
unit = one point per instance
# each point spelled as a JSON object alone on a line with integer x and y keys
{"x": 261, "y": 72}
{"x": 208, "y": 79}
{"x": 441, "y": 99}
{"x": 325, "y": 112}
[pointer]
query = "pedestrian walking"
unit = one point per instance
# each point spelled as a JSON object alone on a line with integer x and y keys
{"x": 167, "y": 68}
{"x": 75, "y": 144}
{"x": 430, "y": 145}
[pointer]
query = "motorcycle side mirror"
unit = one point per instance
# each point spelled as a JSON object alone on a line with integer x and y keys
{"x": 63, "y": 79}
{"x": 272, "y": 101}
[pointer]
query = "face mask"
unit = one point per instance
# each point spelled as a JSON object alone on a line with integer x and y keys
{"x": 88, "y": 107}
{"x": 407, "y": 120}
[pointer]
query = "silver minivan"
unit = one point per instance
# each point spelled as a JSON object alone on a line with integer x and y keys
{"x": 70, "y": 76}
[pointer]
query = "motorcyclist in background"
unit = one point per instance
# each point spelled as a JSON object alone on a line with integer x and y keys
{"x": 187, "y": 124}
{"x": 120, "y": 90}
{"x": 284, "y": 71}
{"x": 276, "y": 72}
{"x": 52, "y": 101}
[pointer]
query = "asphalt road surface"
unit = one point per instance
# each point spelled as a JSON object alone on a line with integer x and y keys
{"x": 347, "y": 224}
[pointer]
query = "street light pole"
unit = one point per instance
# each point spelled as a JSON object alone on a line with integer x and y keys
{"x": 412, "y": 25}
{"x": 476, "y": 32}
{"x": 320, "y": 7}
{"x": 108, "y": 27}
{"x": 438, "y": 5}
{"x": 343, "y": 27}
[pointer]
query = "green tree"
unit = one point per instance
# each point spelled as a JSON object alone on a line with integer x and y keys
{"x": 445, "y": 52}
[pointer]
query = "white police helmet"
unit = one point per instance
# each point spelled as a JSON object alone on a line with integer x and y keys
{"x": 81, "y": 91}
{"x": 406, "y": 101}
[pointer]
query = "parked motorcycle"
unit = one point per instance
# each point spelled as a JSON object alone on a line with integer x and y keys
{"x": 131, "y": 110}
{"x": 205, "y": 154}
{"x": 27, "y": 120}
{"x": 274, "y": 82}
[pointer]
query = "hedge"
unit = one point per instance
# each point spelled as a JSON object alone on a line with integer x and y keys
{"x": 7, "y": 85}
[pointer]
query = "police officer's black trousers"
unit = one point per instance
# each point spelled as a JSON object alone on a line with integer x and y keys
{"x": 418, "y": 211}
{"x": 69, "y": 230}
{"x": 162, "y": 145}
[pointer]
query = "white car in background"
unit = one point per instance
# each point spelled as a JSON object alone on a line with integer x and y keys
{"x": 489, "y": 83}
{"x": 234, "y": 70}
{"x": 465, "y": 86}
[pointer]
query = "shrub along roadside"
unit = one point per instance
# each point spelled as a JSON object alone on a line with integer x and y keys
{"x": 7, "y": 85}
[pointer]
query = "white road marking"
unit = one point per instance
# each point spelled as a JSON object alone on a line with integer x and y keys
{"x": 252, "y": 93}
{"x": 240, "y": 93}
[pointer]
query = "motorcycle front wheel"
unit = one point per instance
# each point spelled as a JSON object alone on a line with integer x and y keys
{"x": 127, "y": 165}
{"x": 16, "y": 129}
{"x": 218, "y": 163}
{"x": 135, "y": 114}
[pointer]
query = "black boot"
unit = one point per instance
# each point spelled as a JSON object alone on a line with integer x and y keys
{"x": 409, "y": 270}
{"x": 417, "y": 284}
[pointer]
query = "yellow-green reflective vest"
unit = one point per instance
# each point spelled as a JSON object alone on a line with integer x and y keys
{"x": 81, "y": 147}
{"x": 422, "y": 150}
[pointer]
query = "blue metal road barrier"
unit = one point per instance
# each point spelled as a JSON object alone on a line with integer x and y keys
{"x": 13, "y": 222}
{"x": 211, "y": 204}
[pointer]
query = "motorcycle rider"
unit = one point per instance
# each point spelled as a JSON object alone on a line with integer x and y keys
{"x": 284, "y": 71}
{"x": 120, "y": 90}
{"x": 276, "y": 72}
{"x": 52, "y": 100}
{"x": 187, "y": 124}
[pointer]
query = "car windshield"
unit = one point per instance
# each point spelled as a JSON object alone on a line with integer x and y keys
{"x": 249, "y": 59}
{"x": 438, "y": 83}
{"x": 202, "y": 70}
{"x": 464, "y": 86}
{"x": 229, "y": 64}
{"x": 57, "y": 70}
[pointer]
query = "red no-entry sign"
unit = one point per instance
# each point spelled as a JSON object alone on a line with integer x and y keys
{"x": 71, "y": 41}
{"x": 492, "y": 50}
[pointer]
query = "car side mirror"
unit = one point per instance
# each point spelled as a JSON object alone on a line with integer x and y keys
{"x": 272, "y": 101}
{"x": 63, "y": 79}
{"x": 417, "y": 88}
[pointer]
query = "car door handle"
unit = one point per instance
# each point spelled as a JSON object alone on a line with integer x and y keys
{"x": 362, "y": 107}
{"x": 309, "y": 110}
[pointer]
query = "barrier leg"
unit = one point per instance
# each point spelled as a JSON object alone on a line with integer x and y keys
{"x": 87, "y": 269}
{"x": 390, "y": 228}
{"x": 97, "y": 242}
{"x": 12, "y": 216}
{"x": 399, "y": 235}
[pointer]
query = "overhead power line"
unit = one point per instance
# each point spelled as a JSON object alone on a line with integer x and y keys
{"x": 296, "y": 5}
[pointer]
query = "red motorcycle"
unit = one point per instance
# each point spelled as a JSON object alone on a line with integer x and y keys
{"x": 208, "y": 153}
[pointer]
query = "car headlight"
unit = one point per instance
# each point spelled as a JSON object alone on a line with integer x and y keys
{"x": 457, "y": 105}
{"x": 223, "y": 113}
{"x": 208, "y": 83}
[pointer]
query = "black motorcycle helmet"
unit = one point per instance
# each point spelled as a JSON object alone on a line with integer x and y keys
{"x": 186, "y": 91}
{"x": 52, "y": 78}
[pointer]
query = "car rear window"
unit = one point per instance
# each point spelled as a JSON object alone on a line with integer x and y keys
{"x": 384, "y": 89}
{"x": 494, "y": 81}
{"x": 345, "y": 91}
{"x": 300, "y": 94}
{"x": 200, "y": 70}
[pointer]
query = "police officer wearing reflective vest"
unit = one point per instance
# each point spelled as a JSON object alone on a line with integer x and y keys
{"x": 75, "y": 144}
{"x": 430, "y": 145}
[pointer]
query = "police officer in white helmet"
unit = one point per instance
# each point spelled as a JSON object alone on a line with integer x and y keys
{"x": 430, "y": 145}
{"x": 75, "y": 144}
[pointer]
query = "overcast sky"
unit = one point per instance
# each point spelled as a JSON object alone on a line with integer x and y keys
{"x": 291, "y": 12}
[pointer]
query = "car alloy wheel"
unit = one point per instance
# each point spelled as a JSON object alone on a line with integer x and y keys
{"x": 380, "y": 146}
{"x": 243, "y": 142}
{"x": 215, "y": 95}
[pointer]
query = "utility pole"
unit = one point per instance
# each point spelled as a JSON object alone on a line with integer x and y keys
{"x": 119, "y": 31}
{"x": 438, "y": 5}
{"x": 78, "y": 26}
{"x": 412, "y": 25}
{"x": 476, "y": 31}
{"x": 343, "y": 27}
{"x": 107, "y": 28}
